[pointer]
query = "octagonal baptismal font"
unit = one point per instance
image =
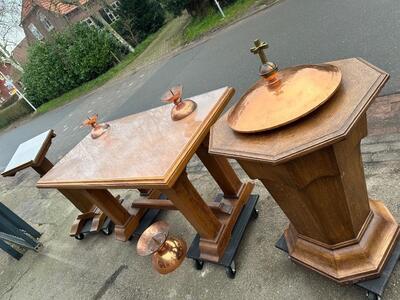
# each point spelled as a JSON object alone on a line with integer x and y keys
{"x": 312, "y": 165}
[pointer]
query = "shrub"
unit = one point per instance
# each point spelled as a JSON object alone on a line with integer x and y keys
{"x": 66, "y": 60}
{"x": 13, "y": 112}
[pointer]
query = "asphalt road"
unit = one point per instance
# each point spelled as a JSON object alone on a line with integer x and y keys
{"x": 299, "y": 32}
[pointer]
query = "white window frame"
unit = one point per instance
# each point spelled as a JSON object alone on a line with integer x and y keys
{"x": 36, "y": 33}
{"x": 89, "y": 22}
{"x": 115, "y": 5}
{"x": 46, "y": 23}
{"x": 110, "y": 14}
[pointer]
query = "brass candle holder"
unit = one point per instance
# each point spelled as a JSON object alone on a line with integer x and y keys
{"x": 181, "y": 108}
{"x": 97, "y": 129}
{"x": 167, "y": 252}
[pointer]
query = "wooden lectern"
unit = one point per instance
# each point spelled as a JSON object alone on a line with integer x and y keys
{"x": 32, "y": 154}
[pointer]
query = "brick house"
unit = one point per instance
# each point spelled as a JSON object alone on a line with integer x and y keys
{"x": 39, "y": 18}
{"x": 20, "y": 52}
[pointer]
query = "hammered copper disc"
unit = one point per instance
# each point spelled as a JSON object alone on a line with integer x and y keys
{"x": 285, "y": 97}
{"x": 152, "y": 238}
{"x": 170, "y": 256}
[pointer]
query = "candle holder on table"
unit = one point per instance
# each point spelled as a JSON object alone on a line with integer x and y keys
{"x": 97, "y": 129}
{"x": 181, "y": 108}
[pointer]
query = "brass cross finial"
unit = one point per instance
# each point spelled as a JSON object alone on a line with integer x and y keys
{"x": 259, "y": 49}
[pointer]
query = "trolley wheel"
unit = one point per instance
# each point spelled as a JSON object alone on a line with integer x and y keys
{"x": 231, "y": 270}
{"x": 198, "y": 264}
{"x": 107, "y": 231}
{"x": 80, "y": 236}
{"x": 254, "y": 214}
{"x": 373, "y": 296}
{"x": 38, "y": 246}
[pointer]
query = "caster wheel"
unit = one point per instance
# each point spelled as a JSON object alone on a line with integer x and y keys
{"x": 254, "y": 214}
{"x": 38, "y": 246}
{"x": 373, "y": 296}
{"x": 231, "y": 271}
{"x": 106, "y": 231}
{"x": 199, "y": 264}
{"x": 80, "y": 236}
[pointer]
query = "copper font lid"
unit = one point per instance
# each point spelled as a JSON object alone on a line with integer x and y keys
{"x": 281, "y": 97}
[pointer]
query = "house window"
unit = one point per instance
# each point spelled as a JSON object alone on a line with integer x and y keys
{"x": 89, "y": 22}
{"x": 110, "y": 14}
{"x": 46, "y": 23}
{"x": 35, "y": 32}
{"x": 115, "y": 5}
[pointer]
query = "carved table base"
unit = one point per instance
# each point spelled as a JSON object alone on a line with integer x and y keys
{"x": 214, "y": 221}
{"x": 248, "y": 213}
{"x": 213, "y": 250}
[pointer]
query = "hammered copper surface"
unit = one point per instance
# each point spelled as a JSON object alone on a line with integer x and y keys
{"x": 152, "y": 238}
{"x": 144, "y": 149}
{"x": 168, "y": 252}
{"x": 284, "y": 97}
{"x": 170, "y": 256}
{"x": 324, "y": 127}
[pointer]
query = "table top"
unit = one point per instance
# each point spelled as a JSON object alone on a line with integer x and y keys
{"x": 147, "y": 149}
{"x": 29, "y": 153}
{"x": 329, "y": 124}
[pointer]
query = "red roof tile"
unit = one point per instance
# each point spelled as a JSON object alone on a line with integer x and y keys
{"x": 52, "y": 5}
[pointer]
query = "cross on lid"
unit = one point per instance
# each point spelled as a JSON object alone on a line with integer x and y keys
{"x": 259, "y": 49}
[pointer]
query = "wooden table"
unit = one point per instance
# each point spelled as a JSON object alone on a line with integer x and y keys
{"x": 148, "y": 150}
{"x": 313, "y": 169}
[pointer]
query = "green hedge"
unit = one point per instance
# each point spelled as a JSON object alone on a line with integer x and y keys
{"x": 66, "y": 60}
{"x": 14, "y": 112}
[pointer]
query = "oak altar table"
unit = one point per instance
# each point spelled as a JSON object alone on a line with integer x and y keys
{"x": 148, "y": 150}
{"x": 313, "y": 169}
{"x": 32, "y": 153}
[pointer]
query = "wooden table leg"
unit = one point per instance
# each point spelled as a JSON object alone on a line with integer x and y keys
{"x": 189, "y": 202}
{"x": 43, "y": 167}
{"x": 125, "y": 223}
{"x": 221, "y": 170}
{"x": 214, "y": 232}
{"x": 79, "y": 198}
